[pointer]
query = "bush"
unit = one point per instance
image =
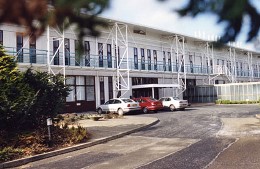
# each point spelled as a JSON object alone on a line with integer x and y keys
{"x": 219, "y": 101}
{"x": 28, "y": 98}
{"x": 9, "y": 153}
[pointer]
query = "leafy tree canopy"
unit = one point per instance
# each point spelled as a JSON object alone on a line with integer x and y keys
{"x": 35, "y": 15}
{"x": 229, "y": 11}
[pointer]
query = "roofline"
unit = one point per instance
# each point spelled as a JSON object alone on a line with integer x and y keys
{"x": 172, "y": 33}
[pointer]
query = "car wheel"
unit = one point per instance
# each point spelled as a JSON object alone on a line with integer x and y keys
{"x": 120, "y": 112}
{"x": 145, "y": 110}
{"x": 172, "y": 108}
{"x": 99, "y": 111}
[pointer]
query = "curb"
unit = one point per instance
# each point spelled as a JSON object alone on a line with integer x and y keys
{"x": 23, "y": 161}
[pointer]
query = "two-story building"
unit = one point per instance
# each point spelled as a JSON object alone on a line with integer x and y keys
{"x": 130, "y": 60}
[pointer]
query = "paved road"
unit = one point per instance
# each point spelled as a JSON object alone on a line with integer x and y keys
{"x": 182, "y": 139}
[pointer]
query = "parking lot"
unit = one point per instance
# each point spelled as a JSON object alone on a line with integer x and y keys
{"x": 219, "y": 136}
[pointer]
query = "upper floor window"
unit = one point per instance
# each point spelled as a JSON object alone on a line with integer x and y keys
{"x": 109, "y": 56}
{"x": 149, "y": 59}
{"x": 155, "y": 59}
{"x": 117, "y": 56}
{"x": 56, "y": 51}
{"x": 32, "y": 49}
{"x": 1, "y": 37}
{"x": 170, "y": 61}
{"x": 100, "y": 54}
{"x": 77, "y": 55}
{"x": 164, "y": 61}
{"x": 87, "y": 53}
{"x": 135, "y": 58}
{"x": 19, "y": 47}
{"x": 142, "y": 59}
{"x": 67, "y": 51}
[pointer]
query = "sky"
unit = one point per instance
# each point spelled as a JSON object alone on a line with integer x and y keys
{"x": 161, "y": 15}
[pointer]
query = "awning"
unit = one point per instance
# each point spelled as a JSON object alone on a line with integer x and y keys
{"x": 155, "y": 86}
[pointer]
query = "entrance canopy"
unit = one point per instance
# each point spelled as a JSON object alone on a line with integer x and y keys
{"x": 155, "y": 86}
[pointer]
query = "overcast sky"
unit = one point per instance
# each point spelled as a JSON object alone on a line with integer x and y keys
{"x": 161, "y": 15}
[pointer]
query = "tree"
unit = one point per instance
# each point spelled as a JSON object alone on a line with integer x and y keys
{"x": 15, "y": 96}
{"x": 229, "y": 11}
{"x": 36, "y": 15}
{"x": 28, "y": 98}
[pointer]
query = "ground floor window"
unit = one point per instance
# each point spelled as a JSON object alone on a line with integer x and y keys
{"x": 82, "y": 88}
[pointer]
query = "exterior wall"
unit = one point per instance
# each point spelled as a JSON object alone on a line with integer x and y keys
{"x": 154, "y": 40}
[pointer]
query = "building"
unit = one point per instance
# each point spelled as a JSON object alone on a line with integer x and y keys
{"x": 131, "y": 60}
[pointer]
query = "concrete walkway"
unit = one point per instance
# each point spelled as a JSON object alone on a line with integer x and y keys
{"x": 101, "y": 131}
{"x": 245, "y": 152}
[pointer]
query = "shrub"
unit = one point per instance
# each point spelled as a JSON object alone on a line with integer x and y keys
{"x": 9, "y": 153}
{"x": 28, "y": 98}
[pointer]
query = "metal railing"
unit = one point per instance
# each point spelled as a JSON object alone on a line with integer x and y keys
{"x": 35, "y": 56}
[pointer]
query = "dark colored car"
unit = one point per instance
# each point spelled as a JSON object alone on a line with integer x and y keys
{"x": 149, "y": 104}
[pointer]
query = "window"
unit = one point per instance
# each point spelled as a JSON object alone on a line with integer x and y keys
{"x": 135, "y": 58}
{"x": 32, "y": 49}
{"x": 149, "y": 59}
{"x": 241, "y": 69}
{"x": 67, "y": 51}
{"x": 191, "y": 63}
{"x": 177, "y": 64}
{"x": 102, "y": 90}
{"x": 82, "y": 88}
{"x": 110, "y": 87}
{"x": 169, "y": 61}
{"x": 109, "y": 56}
{"x": 164, "y": 61}
{"x": 1, "y": 37}
{"x": 56, "y": 51}
{"x": 19, "y": 47}
{"x": 100, "y": 54}
{"x": 70, "y": 81}
{"x": 90, "y": 88}
{"x": 155, "y": 59}
{"x": 87, "y": 53}
{"x": 77, "y": 56}
{"x": 142, "y": 59}
{"x": 117, "y": 56}
{"x": 182, "y": 63}
{"x": 237, "y": 68}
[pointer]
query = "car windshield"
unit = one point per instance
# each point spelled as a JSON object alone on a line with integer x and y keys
{"x": 127, "y": 100}
{"x": 162, "y": 99}
{"x": 176, "y": 98}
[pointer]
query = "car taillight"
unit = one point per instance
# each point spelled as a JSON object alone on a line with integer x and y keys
{"x": 128, "y": 105}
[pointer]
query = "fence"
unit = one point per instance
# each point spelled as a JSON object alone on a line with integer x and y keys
{"x": 238, "y": 91}
{"x": 233, "y": 92}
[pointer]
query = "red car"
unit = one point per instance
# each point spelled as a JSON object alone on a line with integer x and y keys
{"x": 149, "y": 104}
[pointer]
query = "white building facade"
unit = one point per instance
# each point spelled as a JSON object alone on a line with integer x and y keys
{"x": 129, "y": 60}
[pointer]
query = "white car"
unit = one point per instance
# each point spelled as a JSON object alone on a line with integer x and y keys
{"x": 119, "y": 105}
{"x": 174, "y": 103}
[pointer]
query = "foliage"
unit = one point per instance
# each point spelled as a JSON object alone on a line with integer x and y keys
{"x": 36, "y": 142}
{"x": 28, "y": 98}
{"x": 36, "y": 15}
{"x": 9, "y": 153}
{"x": 219, "y": 101}
{"x": 15, "y": 96}
{"x": 229, "y": 11}
{"x": 49, "y": 96}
